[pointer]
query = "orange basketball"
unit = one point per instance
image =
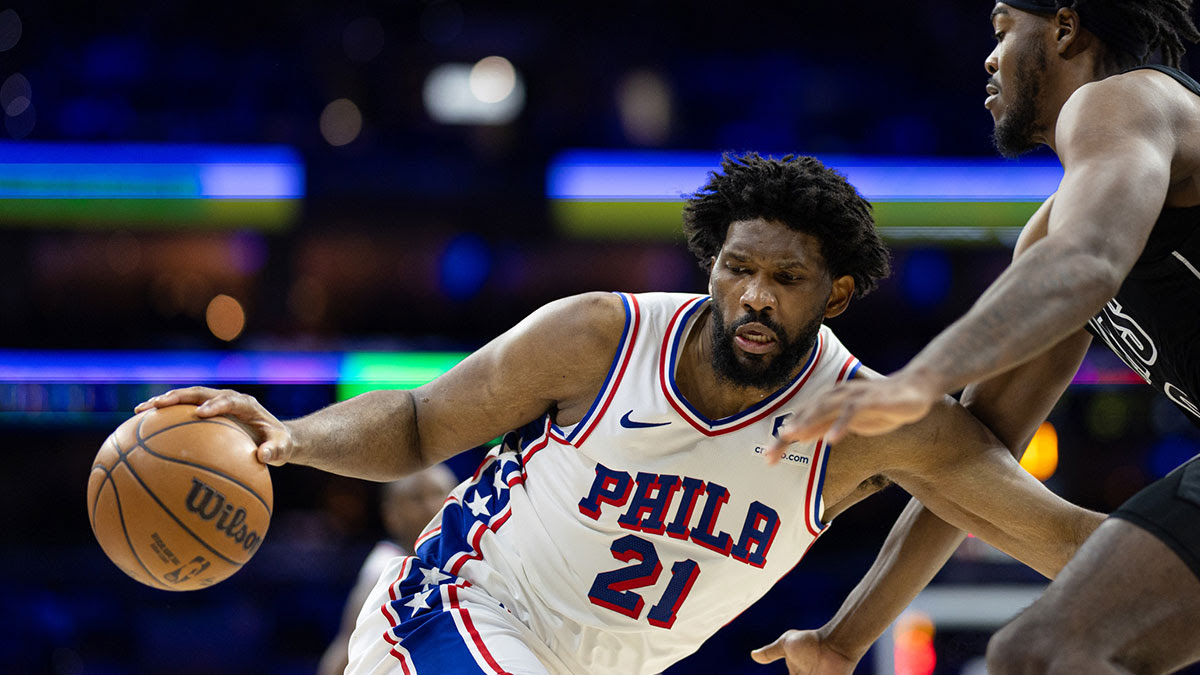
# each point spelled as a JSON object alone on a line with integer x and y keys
{"x": 177, "y": 501}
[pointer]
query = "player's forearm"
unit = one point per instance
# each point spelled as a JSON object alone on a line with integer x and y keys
{"x": 988, "y": 494}
{"x": 1047, "y": 546}
{"x": 918, "y": 546}
{"x": 1048, "y": 293}
{"x": 372, "y": 436}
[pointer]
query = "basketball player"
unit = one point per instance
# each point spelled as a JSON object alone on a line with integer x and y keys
{"x": 406, "y": 507}
{"x": 631, "y": 514}
{"x": 1116, "y": 253}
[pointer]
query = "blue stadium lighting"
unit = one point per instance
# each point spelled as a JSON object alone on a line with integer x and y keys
{"x": 645, "y": 176}
{"x": 40, "y": 170}
{"x": 176, "y": 367}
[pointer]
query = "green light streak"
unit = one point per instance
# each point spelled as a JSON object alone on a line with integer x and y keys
{"x": 367, "y": 371}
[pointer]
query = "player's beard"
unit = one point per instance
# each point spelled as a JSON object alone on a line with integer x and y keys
{"x": 1014, "y": 132}
{"x": 760, "y": 371}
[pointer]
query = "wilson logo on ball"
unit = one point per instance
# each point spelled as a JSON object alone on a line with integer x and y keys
{"x": 208, "y": 503}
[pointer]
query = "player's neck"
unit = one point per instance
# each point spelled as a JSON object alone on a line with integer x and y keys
{"x": 1062, "y": 85}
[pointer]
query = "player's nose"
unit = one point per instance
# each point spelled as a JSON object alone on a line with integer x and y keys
{"x": 757, "y": 295}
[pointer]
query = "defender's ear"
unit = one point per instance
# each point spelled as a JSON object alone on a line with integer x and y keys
{"x": 1067, "y": 29}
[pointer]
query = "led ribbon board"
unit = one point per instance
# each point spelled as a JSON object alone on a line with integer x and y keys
{"x": 104, "y": 185}
{"x": 68, "y": 387}
{"x": 619, "y": 194}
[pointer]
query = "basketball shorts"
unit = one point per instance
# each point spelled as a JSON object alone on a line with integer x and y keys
{"x": 419, "y": 620}
{"x": 1169, "y": 508}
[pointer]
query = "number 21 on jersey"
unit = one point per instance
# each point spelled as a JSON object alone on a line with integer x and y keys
{"x": 614, "y": 590}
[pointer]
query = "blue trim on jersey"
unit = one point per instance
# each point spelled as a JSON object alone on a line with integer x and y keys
{"x": 820, "y": 488}
{"x": 677, "y": 346}
{"x": 612, "y": 369}
{"x": 853, "y": 371}
{"x": 435, "y": 645}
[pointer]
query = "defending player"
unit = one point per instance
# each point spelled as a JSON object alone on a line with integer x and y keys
{"x": 1116, "y": 251}
{"x": 630, "y": 515}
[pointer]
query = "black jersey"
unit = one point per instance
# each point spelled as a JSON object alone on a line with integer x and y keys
{"x": 1153, "y": 323}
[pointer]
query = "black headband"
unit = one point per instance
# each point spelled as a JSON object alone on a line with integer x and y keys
{"x": 1099, "y": 19}
{"x": 1040, "y": 6}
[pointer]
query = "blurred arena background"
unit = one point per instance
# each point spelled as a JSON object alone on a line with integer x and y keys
{"x": 304, "y": 201}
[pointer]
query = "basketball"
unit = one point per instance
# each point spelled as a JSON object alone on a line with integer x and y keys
{"x": 177, "y": 501}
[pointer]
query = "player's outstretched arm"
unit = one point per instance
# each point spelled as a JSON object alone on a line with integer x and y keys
{"x": 554, "y": 360}
{"x": 1116, "y": 142}
{"x": 1013, "y": 405}
{"x": 962, "y": 473}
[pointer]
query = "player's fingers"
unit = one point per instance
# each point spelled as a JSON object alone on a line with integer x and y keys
{"x": 807, "y": 431}
{"x": 193, "y": 395}
{"x": 769, "y": 653}
{"x": 220, "y": 405}
{"x": 229, "y": 402}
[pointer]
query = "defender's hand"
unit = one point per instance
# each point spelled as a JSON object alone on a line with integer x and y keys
{"x": 804, "y": 654}
{"x": 275, "y": 442}
{"x": 867, "y": 407}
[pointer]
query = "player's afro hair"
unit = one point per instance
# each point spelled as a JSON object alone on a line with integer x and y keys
{"x": 799, "y": 192}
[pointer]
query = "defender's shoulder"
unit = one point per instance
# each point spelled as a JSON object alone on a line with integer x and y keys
{"x": 1138, "y": 95}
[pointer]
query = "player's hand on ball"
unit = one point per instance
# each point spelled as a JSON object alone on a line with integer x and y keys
{"x": 805, "y": 654}
{"x": 275, "y": 443}
{"x": 866, "y": 407}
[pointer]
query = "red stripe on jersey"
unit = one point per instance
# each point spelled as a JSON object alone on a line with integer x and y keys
{"x": 394, "y": 652}
{"x": 808, "y": 494}
{"x": 452, "y": 591}
{"x": 846, "y": 366}
{"x": 427, "y": 536}
{"x": 394, "y": 621}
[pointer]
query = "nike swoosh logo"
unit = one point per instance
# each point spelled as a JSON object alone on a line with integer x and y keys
{"x": 631, "y": 424}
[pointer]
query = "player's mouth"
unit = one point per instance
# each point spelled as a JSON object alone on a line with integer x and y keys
{"x": 755, "y": 338}
{"x": 994, "y": 93}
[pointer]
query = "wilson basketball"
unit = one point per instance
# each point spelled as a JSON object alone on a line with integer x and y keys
{"x": 177, "y": 501}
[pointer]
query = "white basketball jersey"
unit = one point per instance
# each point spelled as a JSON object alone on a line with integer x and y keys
{"x": 626, "y": 540}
